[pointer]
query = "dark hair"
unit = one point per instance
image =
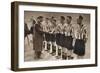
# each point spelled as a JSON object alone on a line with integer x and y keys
{"x": 47, "y": 18}
{"x": 52, "y": 17}
{"x": 39, "y": 17}
{"x": 34, "y": 21}
{"x": 62, "y": 17}
{"x": 81, "y": 17}
{"x": 55, "y": 20}
{"x": 69, "y": 17}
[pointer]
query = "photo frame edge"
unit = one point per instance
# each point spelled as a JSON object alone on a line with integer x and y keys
{"x": 14, "y": 36}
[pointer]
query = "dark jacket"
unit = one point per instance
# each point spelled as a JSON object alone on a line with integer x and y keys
{"x": 38, "y": 38}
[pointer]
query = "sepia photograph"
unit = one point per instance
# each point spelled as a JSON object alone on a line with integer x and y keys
{"x": 56, "y": 36}
{"x": 53, "y": 36}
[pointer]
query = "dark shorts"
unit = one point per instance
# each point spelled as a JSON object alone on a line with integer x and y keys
{"x": 57, "y": 38}
{"x": 68, "y": 42}
{"x": 79, "y": 47}
{"x": 60, "y": 39}
{"x": 53, "y": 37}
{"x": 47, "y": 36}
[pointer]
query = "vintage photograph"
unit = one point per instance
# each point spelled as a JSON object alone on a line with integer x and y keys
{"x": 52, "y": 36}
{"x": 56, "y": 36}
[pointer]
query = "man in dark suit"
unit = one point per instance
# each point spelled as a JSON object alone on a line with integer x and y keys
{"x": 38, "y": 39}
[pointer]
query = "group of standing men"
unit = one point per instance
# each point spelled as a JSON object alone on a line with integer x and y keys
{"x": 59, "y": 38}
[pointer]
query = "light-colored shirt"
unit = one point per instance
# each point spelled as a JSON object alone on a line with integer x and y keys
{"x": 60, "y": 28}
{"x": 80, "y": 32}
{"x": 46, "y": 26}
{"x": 68, "y": 30}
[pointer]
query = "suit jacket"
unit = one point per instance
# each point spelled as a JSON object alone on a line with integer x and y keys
{"x": 38, "y": 38}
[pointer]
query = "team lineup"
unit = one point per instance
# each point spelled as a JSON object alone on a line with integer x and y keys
{"x": 60, "y": 39}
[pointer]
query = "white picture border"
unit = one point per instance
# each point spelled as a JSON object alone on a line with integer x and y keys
{"x": 34, "y": 64}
